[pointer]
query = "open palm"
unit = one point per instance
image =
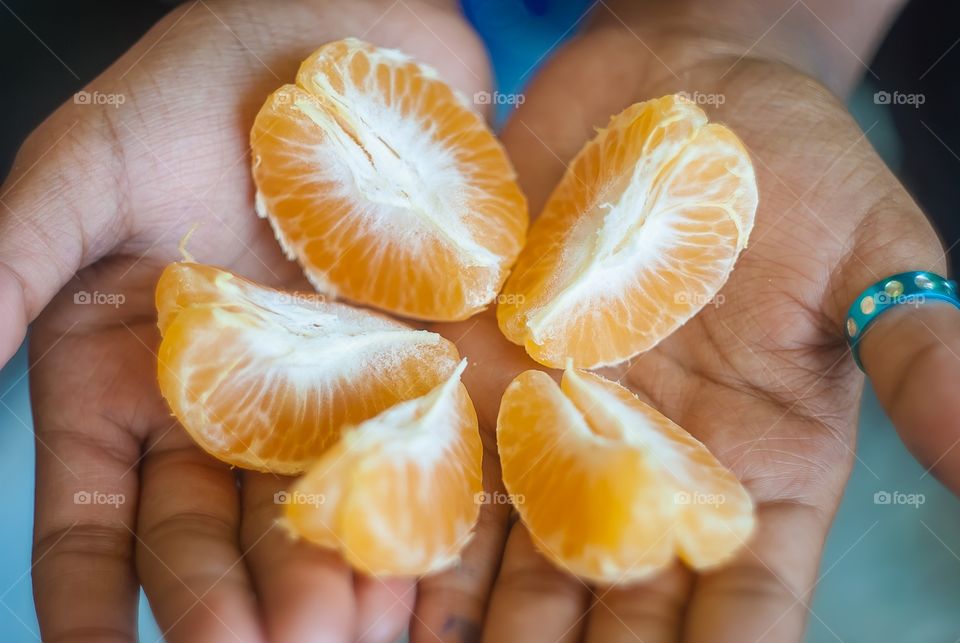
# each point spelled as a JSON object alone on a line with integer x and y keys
{"x": 123, "y": 495}
{"x": 763, "y": 375}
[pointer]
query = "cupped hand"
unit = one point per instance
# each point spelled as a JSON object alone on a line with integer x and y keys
{"x": 97, "y": 202}
{"x": 762, "y": 375}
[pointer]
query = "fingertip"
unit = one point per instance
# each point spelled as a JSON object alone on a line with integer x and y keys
{"x": 13, "y": 328}
{"x": 384, "y": 607}
{"x": 912, "y": 356}
{"x": 533, "y": 600}
{"x": 306, "y": 592}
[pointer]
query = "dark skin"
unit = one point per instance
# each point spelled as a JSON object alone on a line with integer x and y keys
{"x": 765, "y": 379}
{"x": 110, "y": 192}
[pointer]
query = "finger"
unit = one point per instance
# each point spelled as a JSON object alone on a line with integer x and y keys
{"x": 451, "y": 605}
{"x": 188, "y": 555}
{"x": 85, "y": 587}
{"x": 651, "y": 611}
{"x": 763, "y": 594}
{"x": 305, "y": 591}
{"x": 912, "y": 355}
{"x": 384, "y": 607}
{"x": 532, "y": 600}
{"x": 59, "y": 211}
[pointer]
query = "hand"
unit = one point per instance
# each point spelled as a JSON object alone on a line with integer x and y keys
{"x": 764, "y": 378}
{"x": 107, "y": 193}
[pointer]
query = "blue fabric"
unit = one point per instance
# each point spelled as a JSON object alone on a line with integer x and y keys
{"x": 521, "y": 36}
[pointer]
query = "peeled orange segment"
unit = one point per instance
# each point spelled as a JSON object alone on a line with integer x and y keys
{"x": 264, "y": 379}
{"x": 397, "y": 496}
{"x": 184, "y": 284}
{"x": 386, "y": 185}
{"x": 640, "y": 234}
{"x": 611, "y": 489}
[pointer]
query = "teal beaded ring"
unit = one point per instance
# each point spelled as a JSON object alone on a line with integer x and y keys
{"x": 914, "y": 288}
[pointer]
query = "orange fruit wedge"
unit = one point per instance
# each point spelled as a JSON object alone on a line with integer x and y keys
{"x": 397, "y": 496}
{"x": 386, "y": 185}
{"x": 639, "y": 235}
{"x": 610, "y": 489}
{"x": 264, "y": 379}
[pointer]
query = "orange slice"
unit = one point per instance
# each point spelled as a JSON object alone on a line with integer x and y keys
{"x": 640, "y": 234}
{"x": 265, "y": 379}
{"x": 610, "y": 489}
{"x": 386, "y": 185}
{"x": 398, "y": 494}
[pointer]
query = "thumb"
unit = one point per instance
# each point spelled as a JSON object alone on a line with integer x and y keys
{"x": 912, "y": 356}
{"x": 60, "y": 210}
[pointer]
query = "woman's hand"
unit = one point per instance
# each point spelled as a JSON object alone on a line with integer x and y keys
{"x": 764, "y": 377}
{"x": 107, "y": 192}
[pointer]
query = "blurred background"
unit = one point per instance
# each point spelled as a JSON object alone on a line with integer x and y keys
{"x": 891, "y": 569}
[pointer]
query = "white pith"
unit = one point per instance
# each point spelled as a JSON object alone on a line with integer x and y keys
{"x": 405, "y": 184}
{"x": 420, "y": 433}
{"x": 422, "y": 428}
{"x": 658, "y": 527}
{"x": 633, "y": 429}
{"x": 408, "y": 186}
{"x": 289, "y": 342}
{"x": 315, "y": 333}
{"x": 638, "y": 223}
